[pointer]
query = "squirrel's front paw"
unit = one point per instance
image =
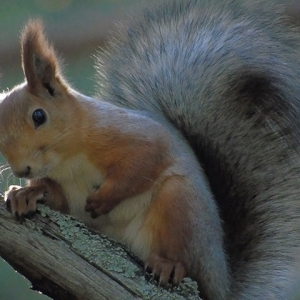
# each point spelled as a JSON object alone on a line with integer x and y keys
{"x": 96, "y": 206}
{"x": 22, "y": 201}
{"x": 164, "y": 270}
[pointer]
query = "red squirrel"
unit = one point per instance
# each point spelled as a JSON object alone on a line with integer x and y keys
{"x": 189, "y": 152}
{"x": 118, "y": 170}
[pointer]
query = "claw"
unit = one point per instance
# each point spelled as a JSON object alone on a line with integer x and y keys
{"x": 20, "y": 218}
{"x": 165, "y": 271}
{"x": 22, "y": 201}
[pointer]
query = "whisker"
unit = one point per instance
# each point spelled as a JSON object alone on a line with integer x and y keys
{"x": 10, "y": 176}
{"x": 4, "y": 166}
{"x": 149, "y": 179}
{"x": 3, "y": 171}
{"x": 57, "y": 140}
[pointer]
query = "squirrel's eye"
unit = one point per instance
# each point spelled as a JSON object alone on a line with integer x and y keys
{"x": 39, "y": 117}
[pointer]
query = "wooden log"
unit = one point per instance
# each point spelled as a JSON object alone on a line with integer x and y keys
{"x": 65, "y": 260}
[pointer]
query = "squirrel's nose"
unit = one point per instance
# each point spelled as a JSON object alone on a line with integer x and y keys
{"x": 23, "y": 173}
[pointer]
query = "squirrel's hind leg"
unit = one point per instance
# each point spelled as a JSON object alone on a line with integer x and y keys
{"x": 176, "y": 223}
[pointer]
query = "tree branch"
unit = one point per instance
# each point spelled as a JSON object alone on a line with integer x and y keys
{"x": 65, "y": 260}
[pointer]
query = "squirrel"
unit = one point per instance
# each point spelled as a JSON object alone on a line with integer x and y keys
{"x": 188, "y": 153}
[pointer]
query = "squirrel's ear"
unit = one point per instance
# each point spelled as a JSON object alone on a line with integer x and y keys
{"x": 40, "y": 64}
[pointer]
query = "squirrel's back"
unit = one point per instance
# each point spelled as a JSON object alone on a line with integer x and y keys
{"x": 227, "y": 77}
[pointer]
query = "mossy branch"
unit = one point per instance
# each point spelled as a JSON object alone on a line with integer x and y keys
{"x": 65, "y": 260}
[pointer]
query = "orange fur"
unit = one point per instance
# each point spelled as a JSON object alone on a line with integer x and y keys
{"x": 130, "y": 166}
{"x": 167, "y": 221}
{"x": 123, "y": 173}
{"x": 54, "y": 197}
{"x": 24, "y": 201}
{"x": 39, "y": 61}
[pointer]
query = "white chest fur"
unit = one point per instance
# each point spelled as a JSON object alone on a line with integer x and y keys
{"x": 79, "y": 178}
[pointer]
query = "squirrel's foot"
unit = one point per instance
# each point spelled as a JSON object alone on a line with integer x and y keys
{"x": 166, "y": 271}
{"x": 96, "y": 206}
{"x": 22, "y": 201}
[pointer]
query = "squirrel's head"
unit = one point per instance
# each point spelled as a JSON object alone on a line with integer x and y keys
{"x": 37, "y": 117}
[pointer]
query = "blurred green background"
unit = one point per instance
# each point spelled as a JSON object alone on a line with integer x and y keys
{"x": 76, "y": 28}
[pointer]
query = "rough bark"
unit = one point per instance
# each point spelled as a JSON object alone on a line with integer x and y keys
{"x": 65, "y": 260}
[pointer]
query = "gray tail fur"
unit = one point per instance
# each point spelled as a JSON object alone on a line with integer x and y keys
{"x": 228, "y": 77}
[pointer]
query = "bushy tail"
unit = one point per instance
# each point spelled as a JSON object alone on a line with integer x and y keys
{"x": 228, "y": 79}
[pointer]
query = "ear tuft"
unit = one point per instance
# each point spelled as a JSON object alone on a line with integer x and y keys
{"x": 39, "y": 62}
